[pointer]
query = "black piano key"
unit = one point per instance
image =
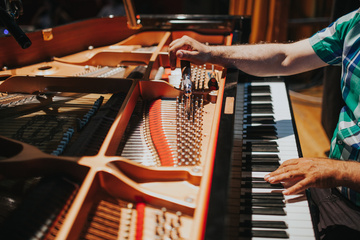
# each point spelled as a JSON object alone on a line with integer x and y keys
{"x": 263, "y": 143}
{"x": 246, "y": 202}
{"x": 262, "y": 157}
{"x": 266, "y": 185}
{"x": 264, "y": 146}
{"x": 247, "y": 208}
{"x": 267, "y": 203}
{"x": 260, "y": 108}
{"x": 261, "y": 184}
{"x": 269, "y": 224}
{"x": 272, "y": 195}
{"x": 253, "y": 179}
{"x": 258, "y": 98}
{"x": 278, "y": 211}
{"x": 259, "y": 119}
{"x": 261, "y": 134}
{"x": 260, "y": 168}
{"x": 263, "y": 161}
{"x": 258, "y": 89}
{"x": 260, "y": 148}
{"x": 259, "y": 165}
{"x": 269, "y": 234}
{"x": 261, "y": 128}
{"x": 247, "y": 234}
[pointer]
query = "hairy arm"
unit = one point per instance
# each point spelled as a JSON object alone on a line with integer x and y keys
{"x": 302, "y": 173}
{"x": 257, "y": 59}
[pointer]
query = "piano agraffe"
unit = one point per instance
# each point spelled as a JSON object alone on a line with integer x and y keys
{"x": 96, "y": 142}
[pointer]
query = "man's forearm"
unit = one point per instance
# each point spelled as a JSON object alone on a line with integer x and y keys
{"x": 350, "y": 175}
{"x": 267, "y": 59}
{"x": 257, "y": 60}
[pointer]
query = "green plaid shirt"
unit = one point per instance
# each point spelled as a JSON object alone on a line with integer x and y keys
{"x": 339, "y": 44}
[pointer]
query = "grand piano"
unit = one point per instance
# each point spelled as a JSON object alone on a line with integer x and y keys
{"x": 99, "y": 141}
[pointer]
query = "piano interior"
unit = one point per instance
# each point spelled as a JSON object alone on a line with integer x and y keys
{"x": 98, "y": 144}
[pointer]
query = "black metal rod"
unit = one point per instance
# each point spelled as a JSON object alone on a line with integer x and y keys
{"x": 9, "y": 23}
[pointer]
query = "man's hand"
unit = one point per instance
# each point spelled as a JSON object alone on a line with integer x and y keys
{"x": 189, "y": 49}
{"x": 299, "y": 174}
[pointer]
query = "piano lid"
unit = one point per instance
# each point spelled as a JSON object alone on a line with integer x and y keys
{"x": 195, "y": 22}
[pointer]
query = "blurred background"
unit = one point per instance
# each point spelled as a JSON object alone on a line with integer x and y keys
{"x": 273, "y": 20}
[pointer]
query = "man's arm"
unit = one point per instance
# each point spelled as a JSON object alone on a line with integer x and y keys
{"x": 257, "y": 59}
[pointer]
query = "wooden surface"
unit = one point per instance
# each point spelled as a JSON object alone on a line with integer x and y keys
{"x": 307, "y": 113}
{"x": 66, "y": 39}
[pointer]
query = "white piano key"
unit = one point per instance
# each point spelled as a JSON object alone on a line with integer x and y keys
{"x": 298, "y": 215}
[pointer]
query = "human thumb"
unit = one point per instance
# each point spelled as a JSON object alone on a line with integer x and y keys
{"x": 180, "y": 54}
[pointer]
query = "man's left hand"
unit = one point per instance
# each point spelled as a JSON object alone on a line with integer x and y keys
{"x": 299, "y": 174}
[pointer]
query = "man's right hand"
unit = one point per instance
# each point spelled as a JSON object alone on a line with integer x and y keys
{"x": 187, "y": 48}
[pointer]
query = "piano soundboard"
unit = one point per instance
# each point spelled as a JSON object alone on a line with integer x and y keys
{"x": 98, "y": 145}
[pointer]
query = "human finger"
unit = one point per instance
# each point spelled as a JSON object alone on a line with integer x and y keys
{"x": 172, "y": 53}
{"x": 293, "y": 161}
{"x": 289, "y": 184}
{"x": 284, "y": 174}
{"x": 285, "y": 166}
{"x": 172, "y": 60}
{"x": 298, "y": 187}
{"x": 175, "y": 48}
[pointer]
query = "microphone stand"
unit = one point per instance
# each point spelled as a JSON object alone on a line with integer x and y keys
{"x": 7, "y": 19}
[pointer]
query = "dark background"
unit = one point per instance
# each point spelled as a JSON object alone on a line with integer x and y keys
{"x": 85, "y": 9}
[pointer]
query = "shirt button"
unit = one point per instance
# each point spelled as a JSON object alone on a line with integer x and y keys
{"x": 358, "y": 124}
{"x": 339, "y": 142}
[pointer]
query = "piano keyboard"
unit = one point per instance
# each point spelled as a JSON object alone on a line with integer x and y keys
{"x": 263, "y": 129}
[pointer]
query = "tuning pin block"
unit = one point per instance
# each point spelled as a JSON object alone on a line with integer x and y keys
{"x": 189, "y": 132}
{"x": 167, "y": 225}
